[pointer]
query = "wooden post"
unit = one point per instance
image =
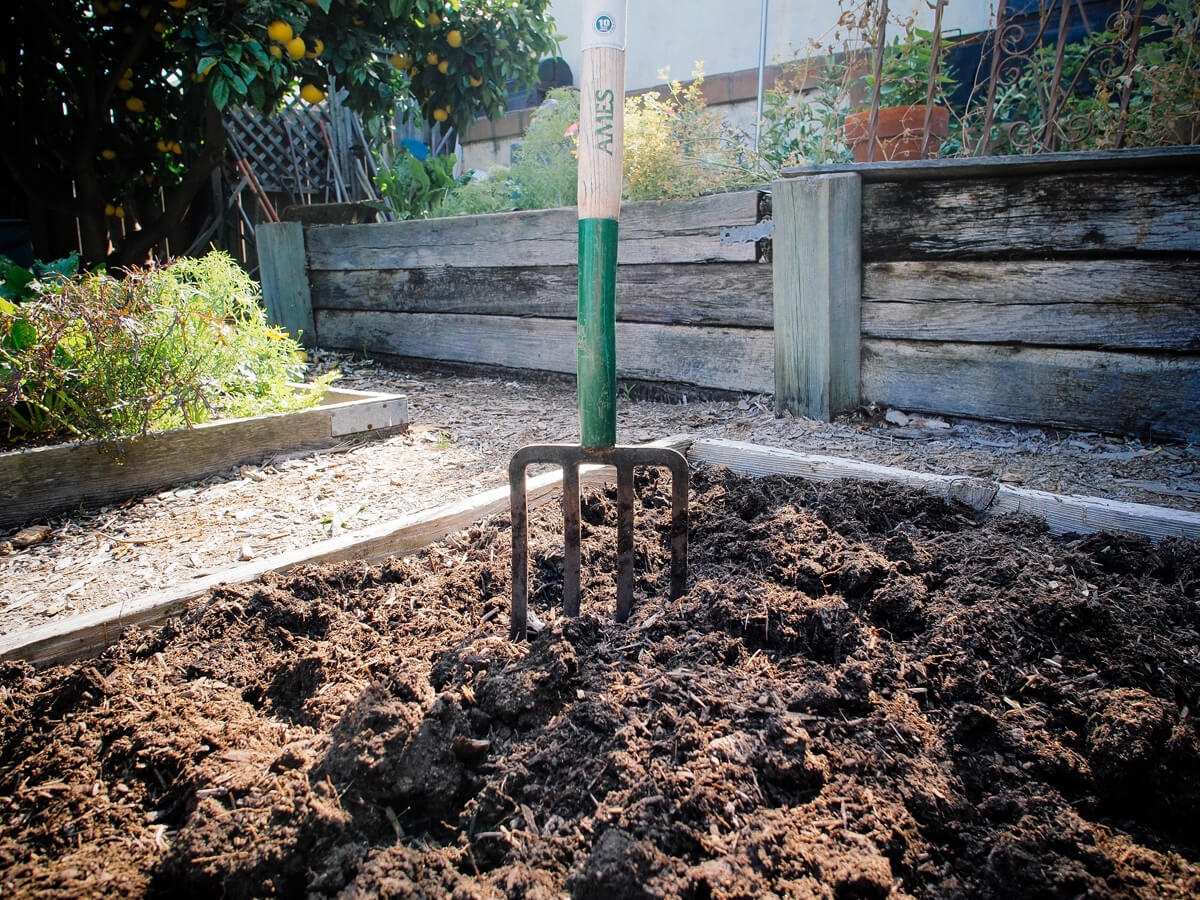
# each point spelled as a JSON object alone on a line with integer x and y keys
{"x": 284, "y": 276}
{"x": 818, "y": 287}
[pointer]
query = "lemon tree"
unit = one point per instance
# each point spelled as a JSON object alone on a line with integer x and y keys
{"x": 112, "y": 108}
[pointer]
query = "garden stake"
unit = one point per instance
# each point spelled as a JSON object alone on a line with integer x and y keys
{"x": 601, "y": 135}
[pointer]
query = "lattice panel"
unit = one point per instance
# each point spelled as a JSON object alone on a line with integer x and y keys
{"x": 287, "y": 151}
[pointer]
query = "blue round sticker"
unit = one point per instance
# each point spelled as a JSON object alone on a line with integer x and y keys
{"x": 604, "y": 24}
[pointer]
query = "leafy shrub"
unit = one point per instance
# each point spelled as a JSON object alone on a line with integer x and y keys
{"x": 494, "y": 192}
{"x": 111, "y": 359}
{"x": 545, "y": 165}
{"x": 802, "y": 124}
{"x": 675, "y": 146}
{"x": 544, "y": 170}
{"x": 1164, "y": 101}
{"x": 415, "y": 188}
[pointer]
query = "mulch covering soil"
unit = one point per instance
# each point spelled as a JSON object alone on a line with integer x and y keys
{"x": 865, "y": 693}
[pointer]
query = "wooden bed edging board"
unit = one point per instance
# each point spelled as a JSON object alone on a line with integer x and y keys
{"x": 1063, "y": 513}
{"x": 41, "y": 482}
{"x": 91, "y": 632}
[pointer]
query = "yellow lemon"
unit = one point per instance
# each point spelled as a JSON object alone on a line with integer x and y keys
{"x": 275, "y": 51}
{"x": 159, "y": 27}
{"x": 440, "y": 115}
{"x": 125, "y": 84}
{"x": 433, "y": 19}
{"x": 109, "y": 154}
{"x": 296, "y": 48}
{"x": 431, "y": 58}
{"x": 178, "y": 4}
{"x": 176, "y": 148}
{"x": 128, "y": 73}
{"x": 400, "y": 61}
{"x": 109, "y": 209}
{"x": 475, "y": 81}
{"x": 119, "y": 212}
{"x": 133, "y": 104}
{"x": 318, "y": 47}
{"x": 162, "y": 146}
{"x": 444, "y": 66}
{"x": 312, "y": 93}
{"x": 454, "y": 38}
{"x": 280, "y": 31}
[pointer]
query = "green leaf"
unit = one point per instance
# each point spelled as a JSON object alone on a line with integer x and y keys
{"x": 257, "y": 93}
{"x": 205, "y": 63}
{"x": 7, "y": 308}
{"x": 23, "y": 334}
{"x": 67, "y": 267}
{"x": 16, "y": 282}
{"x": 418, "y": 172}
{"x": 220, "y": 94}
{"x": 258, "y": 52}
{"x": 324, "y": 5}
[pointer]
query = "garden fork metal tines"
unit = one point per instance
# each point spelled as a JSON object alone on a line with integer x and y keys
{"x": 601, "y": 135}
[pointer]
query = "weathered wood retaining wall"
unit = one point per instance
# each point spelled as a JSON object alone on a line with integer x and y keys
{"x": 1060, "y": 290}
{"x": 694, "y": 307}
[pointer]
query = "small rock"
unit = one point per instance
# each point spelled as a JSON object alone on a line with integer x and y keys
{"x": 896, "y": 417}
{"x": 247, "y": 552}
{"x": 1011, "y": 478}
{"x": 27, "y": 537}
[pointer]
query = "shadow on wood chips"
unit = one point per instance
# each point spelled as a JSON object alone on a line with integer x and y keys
{"x": 865, "y": 693}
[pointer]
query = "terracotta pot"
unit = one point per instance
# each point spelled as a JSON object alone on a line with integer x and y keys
{"x": 898, "y": 132}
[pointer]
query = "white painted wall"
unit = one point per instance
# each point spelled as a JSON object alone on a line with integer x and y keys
{"x": 724, "y": 34}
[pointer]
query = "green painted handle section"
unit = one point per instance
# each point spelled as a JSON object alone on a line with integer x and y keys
{"x": 596, "y": 336}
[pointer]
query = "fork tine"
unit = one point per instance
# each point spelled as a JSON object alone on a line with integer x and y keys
{"x": 571, "y": 526}
{"x": 679, "y": 527}
{"x": 624, "y": 541}
{"x": 520, "y": 548}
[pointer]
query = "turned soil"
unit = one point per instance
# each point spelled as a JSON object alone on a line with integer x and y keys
{"x": 864, "y": 693}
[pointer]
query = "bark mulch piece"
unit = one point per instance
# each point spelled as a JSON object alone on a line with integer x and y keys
{"x": 865, "y": 693}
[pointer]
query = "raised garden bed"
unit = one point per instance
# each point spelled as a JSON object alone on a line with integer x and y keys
{"x": 38, "y": 483}
{"x": 868, "y": 691}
